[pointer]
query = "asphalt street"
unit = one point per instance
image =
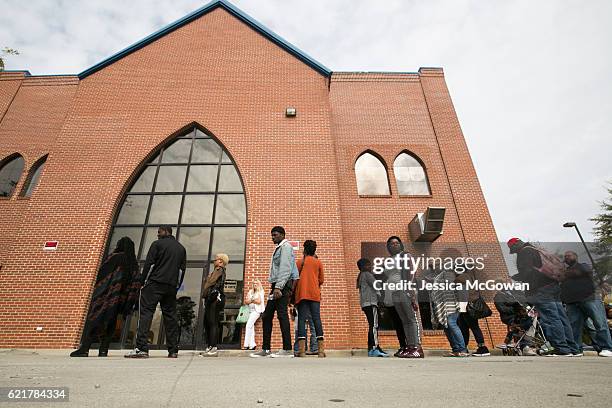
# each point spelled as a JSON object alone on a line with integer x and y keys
{"x": 195, "y": 381}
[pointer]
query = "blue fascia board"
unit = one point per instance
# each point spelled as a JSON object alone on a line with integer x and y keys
{"x": 14, "y": 71}
{"x": 198, "y": 13}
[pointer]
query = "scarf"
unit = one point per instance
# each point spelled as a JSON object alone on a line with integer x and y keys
{"x": 444, "y": 301}
{"x": 212, "y": 279}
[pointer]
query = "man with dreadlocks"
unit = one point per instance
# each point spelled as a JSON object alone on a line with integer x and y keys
{"x": 115, "y": 292}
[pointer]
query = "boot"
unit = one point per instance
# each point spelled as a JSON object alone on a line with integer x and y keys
{"x": 301, "y": 348}
{"x": 321, "y": 344}
{"x": 82, "y": 351}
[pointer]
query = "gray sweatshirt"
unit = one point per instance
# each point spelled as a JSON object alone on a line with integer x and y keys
{"x": 368, "y": 296}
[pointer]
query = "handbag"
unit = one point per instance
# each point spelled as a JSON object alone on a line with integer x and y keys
{"x": 243, "y": 314}
{"x": 478, "y": 308}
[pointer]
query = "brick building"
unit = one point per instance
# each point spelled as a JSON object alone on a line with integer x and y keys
{"x": 189, "y": 127}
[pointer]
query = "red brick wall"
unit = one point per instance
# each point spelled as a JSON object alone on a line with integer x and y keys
{"x": 215, "y": 71}
{"x": 298, "y": 172}
{"x": 28, "y": 288}
{"x": 388, "y": 114}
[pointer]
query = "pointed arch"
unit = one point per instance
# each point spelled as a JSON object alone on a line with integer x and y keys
{"x": 11, "y": 169}
{"x": 371, "y": 174}
{"x": 191, "y": 183}
{"x": 410, "y": 175}
{"x": 33, "y": 177}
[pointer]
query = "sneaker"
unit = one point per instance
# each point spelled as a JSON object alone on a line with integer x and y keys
{"x": 376, "y": 353}
{"x": 413, "y": 352}
{"x": 260, "y": 353}
{"x": 282, "y": 354}
{"x": 456, "y": 354}
{"x": 399, "y": 351}
{"x": 559, "y": 355}
{"x": 207, "y": 349}
{"x": 482, "y": 351}
{"x": 137, "y": 354}
{"x": 212, "y": 351}
{"x": 382, "y": 351}
{"x": 605, "y": 353}
{"x": 578, "y": 354}
{"x": 528, "y": 351}
{"x": 172, "y": 355}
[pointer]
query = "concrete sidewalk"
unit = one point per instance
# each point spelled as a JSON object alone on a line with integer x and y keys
{"x": 194, "y": 381}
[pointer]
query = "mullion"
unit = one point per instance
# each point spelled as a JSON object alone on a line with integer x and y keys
{"x": 180, "y": 218}
{"x": 181, "y": 225}
{"x": 212, "y": 228}
{"x": 186, "y": 193}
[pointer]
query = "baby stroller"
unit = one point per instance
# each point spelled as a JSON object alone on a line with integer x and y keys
{"x": 525, "y": 332}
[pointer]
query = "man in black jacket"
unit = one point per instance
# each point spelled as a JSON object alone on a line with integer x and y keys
{"x": 544, "y": 294}
{"x": 582, "y": 302}
{"x": 162, "y": 275}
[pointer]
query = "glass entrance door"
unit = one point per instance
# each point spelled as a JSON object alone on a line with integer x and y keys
{"x": 192, "y": 185}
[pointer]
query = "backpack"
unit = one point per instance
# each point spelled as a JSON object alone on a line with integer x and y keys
{"x": 552, "y": 266}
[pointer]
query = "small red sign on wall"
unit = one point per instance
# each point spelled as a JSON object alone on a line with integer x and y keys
{"x": 295, "y": 245}
{"x": 51, "y": 245}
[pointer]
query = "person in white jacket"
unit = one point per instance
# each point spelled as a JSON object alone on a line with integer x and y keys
{"x": 255, "y": 300}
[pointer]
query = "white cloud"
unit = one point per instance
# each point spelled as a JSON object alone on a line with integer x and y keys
{"x": 530, "y": 80}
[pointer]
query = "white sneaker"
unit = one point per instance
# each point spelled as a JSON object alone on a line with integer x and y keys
{"x": 579, "y": 354}
{"x": 212, "y": 351}
{"x": 282, "y": 354}
{"x": 261, "y": 353}
{"x": 605, "y": 353}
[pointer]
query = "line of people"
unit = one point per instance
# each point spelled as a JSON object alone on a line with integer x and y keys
{"x": 565, "y": 298}
{"x": 564, "y": 305}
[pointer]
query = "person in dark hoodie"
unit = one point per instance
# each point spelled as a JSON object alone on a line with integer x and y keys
{"x": 401, "y": 305}
{"x": 582, "y": 302}
{"x": 544, "y": 293}
{"x": 162, "y": 275}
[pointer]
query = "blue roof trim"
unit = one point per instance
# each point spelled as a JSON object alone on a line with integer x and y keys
{"x": 13, "y": 71}
{"x": 296, "y": 52}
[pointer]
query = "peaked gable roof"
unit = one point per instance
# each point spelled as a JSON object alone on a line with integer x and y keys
{"x": 258, "y": 27}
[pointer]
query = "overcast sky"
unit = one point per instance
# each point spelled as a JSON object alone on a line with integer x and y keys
{"x": 531, "y": 80}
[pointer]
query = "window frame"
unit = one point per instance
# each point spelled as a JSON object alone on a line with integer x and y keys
{"x": 5, "y": 162}
{"x": 422, "y": 164}
{"x": 385, "y": 167}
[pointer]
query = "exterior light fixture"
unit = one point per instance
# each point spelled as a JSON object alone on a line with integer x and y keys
{"x": 290, "y": 112}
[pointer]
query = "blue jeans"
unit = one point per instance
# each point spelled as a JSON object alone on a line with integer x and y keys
{"x": 556, "y": 326}
{"x": 578, "y": 312}
{"x": 314, "y": 347}
{"x": 312, "y": 308}
{"x": 453, "y": 333}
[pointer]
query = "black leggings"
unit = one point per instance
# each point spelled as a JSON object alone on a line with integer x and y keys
{"x": 371, "y": 313}
{"x": 211, "y": 321}
{"x": 398, "y": 325}
{"x": 467, "y": 323}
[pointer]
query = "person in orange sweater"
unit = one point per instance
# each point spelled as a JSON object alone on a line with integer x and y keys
{"x": 308, "y": 297}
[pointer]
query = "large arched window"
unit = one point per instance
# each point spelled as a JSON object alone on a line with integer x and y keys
{"x": 33, "y": 177}
{"x": 410, "y": 175}
{"x": 193, "y": 186}
{"x": 371, "y": 175}
{"x": 10, "y": 173}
